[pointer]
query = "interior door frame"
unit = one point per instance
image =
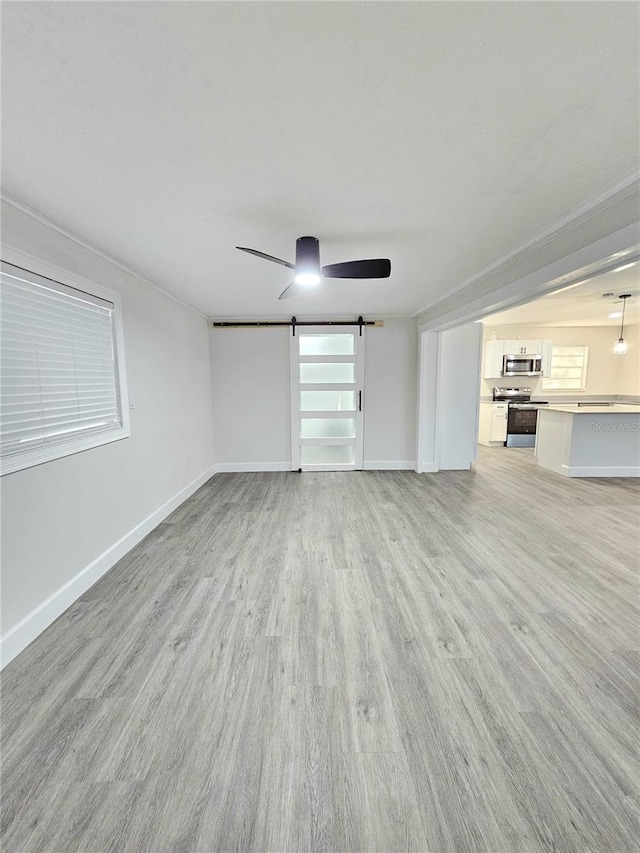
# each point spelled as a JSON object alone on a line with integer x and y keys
{"x": 358, "y": 387}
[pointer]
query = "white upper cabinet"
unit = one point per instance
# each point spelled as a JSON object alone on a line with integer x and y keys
{"x": 493, "y": 352}
{"x": 522, "y": 347}
{"x": 547, "y": 349}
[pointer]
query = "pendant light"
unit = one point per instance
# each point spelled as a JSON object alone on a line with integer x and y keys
{"x": 620, "y": 346}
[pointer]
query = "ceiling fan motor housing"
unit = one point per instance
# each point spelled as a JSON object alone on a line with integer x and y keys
{"x": 309, "y": 273}
{"x": 308, "y": 255}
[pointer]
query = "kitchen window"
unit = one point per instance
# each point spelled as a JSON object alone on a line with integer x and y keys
{"x": 62, "y": 371}
{"x": 568, "y": 369}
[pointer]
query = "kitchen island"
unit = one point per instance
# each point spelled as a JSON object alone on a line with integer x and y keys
{"x": 589, "y": 441}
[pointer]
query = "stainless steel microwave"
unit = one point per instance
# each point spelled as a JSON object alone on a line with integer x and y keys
{"x": 522, "y": 365}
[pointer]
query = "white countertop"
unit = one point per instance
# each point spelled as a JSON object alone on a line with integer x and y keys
{"x": 617, "y": 409}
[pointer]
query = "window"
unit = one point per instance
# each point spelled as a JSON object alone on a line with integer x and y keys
{"x": 568, "y": 369}
{"x": 61, "y": 370}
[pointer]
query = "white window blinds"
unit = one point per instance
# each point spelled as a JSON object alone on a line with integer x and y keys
{"x": 58, "y": 364}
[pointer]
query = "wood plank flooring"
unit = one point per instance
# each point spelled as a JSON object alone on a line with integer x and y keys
{"x": 369, "y": 661}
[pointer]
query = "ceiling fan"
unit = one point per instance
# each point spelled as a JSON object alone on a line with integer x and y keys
{"x": 308, "y": 271}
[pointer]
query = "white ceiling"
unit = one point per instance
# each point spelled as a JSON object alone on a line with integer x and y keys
{"x": 441, "y": 135}
{"x": 582, "y": 304}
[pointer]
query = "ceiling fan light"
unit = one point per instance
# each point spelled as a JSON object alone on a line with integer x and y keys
{"x": 620, "y": 347}
{"x": 307, "y": 279}
{"x": 307, "y": 262}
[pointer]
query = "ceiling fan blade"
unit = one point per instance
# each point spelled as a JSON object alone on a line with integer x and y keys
{"x": 267, "y": 257}
{"x": 294, "y": 289}
{"x": 371, "y": 268}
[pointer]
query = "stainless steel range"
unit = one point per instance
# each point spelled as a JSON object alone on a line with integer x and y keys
{"x": 522, "y": 415}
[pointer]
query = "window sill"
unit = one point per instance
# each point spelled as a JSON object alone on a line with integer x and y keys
{"x": 40, "y": 455}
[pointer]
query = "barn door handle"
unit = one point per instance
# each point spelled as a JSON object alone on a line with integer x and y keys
{"x": 359, "y": 401}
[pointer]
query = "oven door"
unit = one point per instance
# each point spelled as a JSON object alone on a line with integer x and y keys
{"x": 518, "y": 365}
{"x": 521, "y": 425}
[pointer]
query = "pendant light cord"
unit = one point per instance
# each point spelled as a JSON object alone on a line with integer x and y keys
{"x": 624, "y": 305}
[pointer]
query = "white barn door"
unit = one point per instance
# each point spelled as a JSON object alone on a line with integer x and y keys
{"x": 327, "y": 398}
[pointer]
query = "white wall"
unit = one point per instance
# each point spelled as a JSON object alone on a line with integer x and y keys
{"x": 458, "y": 395}
{"x": 250, "y": 386}
{"x": 628, "y": 367}
{"x": 391, "y": 387}
{"x": 607, "y": 374}
{"x": 426, "y": 449}
{"x": 250, "y": 390}
{"x": 66, "y": 522}
{"x": 449, "y": 384}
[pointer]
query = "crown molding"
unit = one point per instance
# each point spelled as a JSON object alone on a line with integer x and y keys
{"x": 69, "y": 235}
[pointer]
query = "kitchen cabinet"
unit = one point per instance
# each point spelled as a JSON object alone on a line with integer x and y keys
{"x": 499, "y": 415}
{"x": 522, "y": 347}
{"x": 493, "y": 423}
{"x": 495, "y": 350}
{"x": 589, "y": 441}
{"x": 547, "y": 351}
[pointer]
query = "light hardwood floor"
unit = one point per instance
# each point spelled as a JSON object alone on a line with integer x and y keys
{"x": 372, "y": 661}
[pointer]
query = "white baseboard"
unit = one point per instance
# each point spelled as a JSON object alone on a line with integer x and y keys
{"x": 389, "y": 465}
{"x": 256, "y": 467}
{"x": 19, "y": 637}
{"x": 426, "y": 468}
{"x": 368, "y": 465}
{"x": 601, "y": 471}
